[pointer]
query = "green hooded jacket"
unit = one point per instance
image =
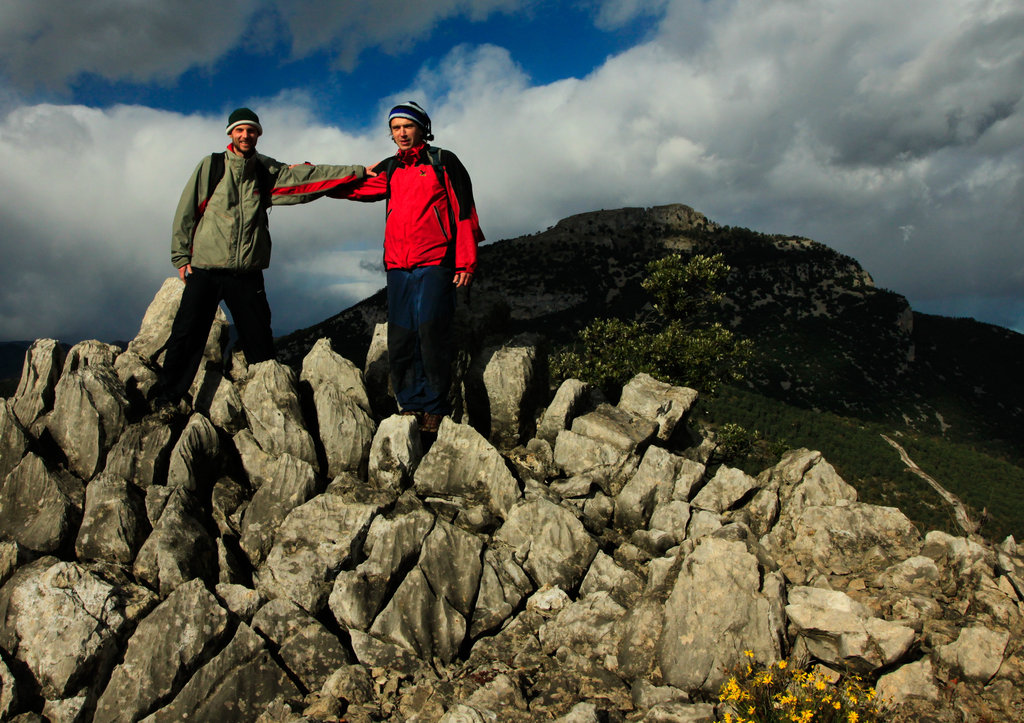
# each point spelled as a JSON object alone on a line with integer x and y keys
{"x": 229, "y": 228}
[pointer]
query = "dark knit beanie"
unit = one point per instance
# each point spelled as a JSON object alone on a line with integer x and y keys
{"x": 243, "y": 117}
{"x": 417, "y": 115}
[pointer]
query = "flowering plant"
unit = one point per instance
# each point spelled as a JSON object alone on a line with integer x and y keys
{"x": 778, "y": 693}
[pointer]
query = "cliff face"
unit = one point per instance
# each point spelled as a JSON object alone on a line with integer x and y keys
{"x": 282, "y": 548}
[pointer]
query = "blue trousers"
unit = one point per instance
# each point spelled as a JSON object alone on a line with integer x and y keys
{"x": 421, "y": 309}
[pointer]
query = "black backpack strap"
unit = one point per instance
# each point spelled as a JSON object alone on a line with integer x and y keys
{"x": 214, "y": 174}
{"x": 434, "y": 153}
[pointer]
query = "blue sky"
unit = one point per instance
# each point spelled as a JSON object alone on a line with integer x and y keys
{"x": 893, "y": 131}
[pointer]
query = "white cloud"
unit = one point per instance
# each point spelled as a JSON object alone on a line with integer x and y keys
{"x": 48, "y": 43}
{"x": 850, "y": 123}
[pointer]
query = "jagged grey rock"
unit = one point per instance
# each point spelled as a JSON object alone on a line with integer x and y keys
{"x": 391, "y": 545}
{"x": 852, "y": 538}
{"x": 652, "y": 483}
{"x": 430, "y": 609}
{"x": 724, "y": 490}
{"x": 421, "y": 621}
{"x": 604, "y": 444}
{"x": 179, "y": 548}
{"x": 803, "y": 478}
{"x": 376, "y": 373}
{"x": 977, "y": 652}
{"x": 562, "y": 410}
{"x": 673, "y": 518}
{"x": 168, "y": 645}
{"x": 114, "y": 524}
{"x": 234, "y": 687}
{"x": 44, "y": 362}
{"x": 662, "y": 403}
{"x": 908, "y": 682}
{"x": 240, "y": 600}
{"x": 322, "y": 366}
{"x": 155, "y": 329}
{"x": 79, "y": 650}
{"x": 8, "y": 691}
{"x": 503, "y": 586}
{"x": 722, "y": 603}
{"x": 304, "y": 645}
{"x": 217, "y": 398}
{"x": 342, "y": 408}
{"x": 395, "y": 452}
{"x": 639, "y": 635}
{"x": 290, "y": 482}
{"x": 503, "y": 388}
{"x": 89, "y": 408}
{"x": 606, "y": 575}
{"x": 315, "y": 541}
{"x": 13, "y": 440}
{"x": 346, "y": 430}
{"x": 552, "y": 543}
{"x": 588, "y": 625}
{"x": 962, "y": 554}
{"x": 40, "y": 508}
{"x": 271, "y": 400}
{"x": 462, "y": 465}
{"x": 195, "y": 458}
{"x": 840, "y": 631}
{"x": 258, "y": 464}
{"x": 141, "y": 453}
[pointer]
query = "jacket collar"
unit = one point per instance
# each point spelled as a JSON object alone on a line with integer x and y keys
{"x": 410, "y": 156}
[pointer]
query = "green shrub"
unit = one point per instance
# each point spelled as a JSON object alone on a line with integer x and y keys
{"x": 681, "y": 346}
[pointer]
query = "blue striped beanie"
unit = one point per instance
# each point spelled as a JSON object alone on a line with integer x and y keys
{"x": 416, "y": 114}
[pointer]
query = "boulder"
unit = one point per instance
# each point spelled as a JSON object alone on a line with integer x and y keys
{"x": 463, "y": 466}
{"x": 391, "y": 545}
{"x": 179, "y": 548}
{"x": 572, "y": 394}
{"x": 503, "y": 389}
{"x": 553, "y": 545}
{"x": 315, "y": 541}
{"x": 13, "y": 440}
{"x": 195, "y": 458}
{"x": 271, "y": 400}
{"x": 234, "y": 687}
{"x": 842, "y": 632}
{"x": 722, "y": 603}
{"x": 169, "y": 644}
{"x": 141, "y": 454}
{"x": 659, "y": 402}
{"x": 89, "y": 408}
{"x": 114, "y": 524}
{"x": 40, "y": 508}
{"x": 44, "y": 362}
{"x": 290, "y": 483}
{"x": 304, "y": 646}
{"x": 61, "y": 658}
{"x": 395, "y": 452}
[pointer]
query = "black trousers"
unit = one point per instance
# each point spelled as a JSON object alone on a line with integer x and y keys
{"x": 246, "y": 299}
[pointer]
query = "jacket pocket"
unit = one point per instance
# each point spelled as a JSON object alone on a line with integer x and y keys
{"x": 440, "y": 224}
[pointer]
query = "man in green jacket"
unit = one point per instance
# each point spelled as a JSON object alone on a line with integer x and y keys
{"x": 220, "y": 244}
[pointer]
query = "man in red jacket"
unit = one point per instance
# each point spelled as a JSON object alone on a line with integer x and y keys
{"x": 430, "y": 243}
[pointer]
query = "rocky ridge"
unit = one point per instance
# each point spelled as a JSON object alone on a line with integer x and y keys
{"x": 827, "y": 337}
{"x": 289, "y": 550}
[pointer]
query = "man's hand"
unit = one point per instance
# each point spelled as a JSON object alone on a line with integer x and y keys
{"x": 463, "y": 278}
{"x": 184, "y": 271}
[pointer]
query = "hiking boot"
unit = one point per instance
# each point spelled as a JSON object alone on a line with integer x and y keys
{"x": 430, "y": 423}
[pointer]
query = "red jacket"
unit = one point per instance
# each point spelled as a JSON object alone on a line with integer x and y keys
{"x": 420, "y": 211}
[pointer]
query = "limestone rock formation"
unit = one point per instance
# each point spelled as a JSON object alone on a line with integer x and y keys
{"x": 292, "y": 553}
